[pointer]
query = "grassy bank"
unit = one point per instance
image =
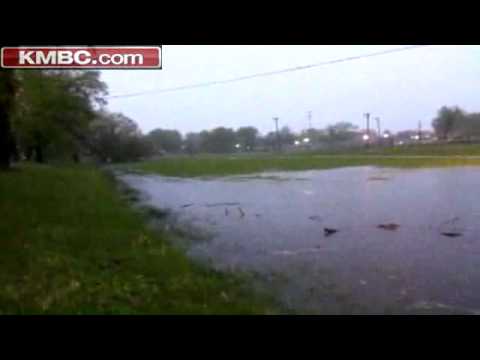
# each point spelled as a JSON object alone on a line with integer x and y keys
{"x": 71, "y": 244}
{"x": 231, "y": 165}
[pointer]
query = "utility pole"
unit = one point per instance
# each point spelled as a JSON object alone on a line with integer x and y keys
{"x": 420, "y": 130}
{"x": 276, "y": 131}
{"x": 309, "y": 119}
{"x": 367, "y": 116}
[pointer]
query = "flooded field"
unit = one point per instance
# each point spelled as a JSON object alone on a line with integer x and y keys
{"x": 359, "y": 240}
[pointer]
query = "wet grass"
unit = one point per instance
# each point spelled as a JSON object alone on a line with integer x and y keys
{"x": 432, "y": 149}
{"x": 72, "y": 245}
{"x": 229, "y": 165}
{"x": 428, "y": 150}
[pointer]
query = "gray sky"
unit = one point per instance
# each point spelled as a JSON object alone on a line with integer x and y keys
{"x": 401, "y": 88}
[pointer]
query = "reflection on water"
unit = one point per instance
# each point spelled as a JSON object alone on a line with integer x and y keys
{"x": 390, "y": 252}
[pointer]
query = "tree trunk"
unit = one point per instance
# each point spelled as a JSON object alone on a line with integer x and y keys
{"x": 39, "y": 154}
{"x": 29, "y": 153}
{"x": 7, "y": 97}
{"x": 15, "y": 153}
{"x": 5, "y": 147}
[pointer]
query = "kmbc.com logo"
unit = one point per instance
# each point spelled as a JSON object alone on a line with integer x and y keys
{"x": 82, "y": 57}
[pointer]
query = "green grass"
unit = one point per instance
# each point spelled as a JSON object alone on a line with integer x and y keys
{"x": 433, "y": 149}
{"x": 233, "y": 165}
{"x": 70, "y": 244}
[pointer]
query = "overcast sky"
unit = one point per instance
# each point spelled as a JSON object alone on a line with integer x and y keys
{"x": 400, "y": 88}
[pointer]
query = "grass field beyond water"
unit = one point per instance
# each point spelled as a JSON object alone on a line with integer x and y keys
{"x": 210, "y": 165}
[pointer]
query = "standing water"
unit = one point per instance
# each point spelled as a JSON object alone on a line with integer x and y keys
{"x": 356, "y": 240}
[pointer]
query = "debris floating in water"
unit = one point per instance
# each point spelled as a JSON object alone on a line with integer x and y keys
{"x": 296, "y": 252}
{"x": 242, "y": 214}
{"x": 377, "y": 178}
{"x": 451, "y": 234}
{"x": 329, "y": 231}
{"x": 391, "y": 227}
{"x": 222, "y": 204}
{"x": 452, "y": 221}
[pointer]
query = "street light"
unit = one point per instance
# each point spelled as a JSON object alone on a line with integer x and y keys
{"x": 366, "y": 137}
{"x": 297, "y": 142}
{"x": 237, "y": 146}
{"x": 306, "y": 140}
{"x": 386, "y": 135}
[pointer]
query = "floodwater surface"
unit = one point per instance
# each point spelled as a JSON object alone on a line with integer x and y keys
{"x": 359, "y": 240}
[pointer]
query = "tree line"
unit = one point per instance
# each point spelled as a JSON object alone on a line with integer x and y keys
{"x": 47, "y": 113}
{"x": 453, "y": 123}
{"x": 62, "y": 114}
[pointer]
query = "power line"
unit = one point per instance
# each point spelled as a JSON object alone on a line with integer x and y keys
{"x": 268, "y": 73}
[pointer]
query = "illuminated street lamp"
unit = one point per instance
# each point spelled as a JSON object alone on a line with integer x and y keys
{"x": 237, "y": 146}
{"x": 365, "y": 137}
{"x": 306, "y": 140}
{"x": 297, "y": 142}
{"x": 386, "y": 135}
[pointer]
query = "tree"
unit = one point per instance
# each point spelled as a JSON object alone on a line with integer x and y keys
{"x": 219, "y": 140}
{"x": 7, "y": 99}
{"x": 269, "y": 140}
{"x": 274, "y": 142}
{"x": 342, "y": 131}
{"x": 287, "y": 137}
{"x": 473, "y": 129}
{"x": 115, "y": 137}
{"x": 166, "y": 140}
{"x": 193, "y": 143}
{"x": 54, "y": 110}
{"x": 467, "y": 127}
{"x": 247, "y": 137}
{"x": 447, "y": 120}
{"x": 315, "y": 135}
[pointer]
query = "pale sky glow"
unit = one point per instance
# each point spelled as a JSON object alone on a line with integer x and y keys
{"x": 400, "y": 88}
